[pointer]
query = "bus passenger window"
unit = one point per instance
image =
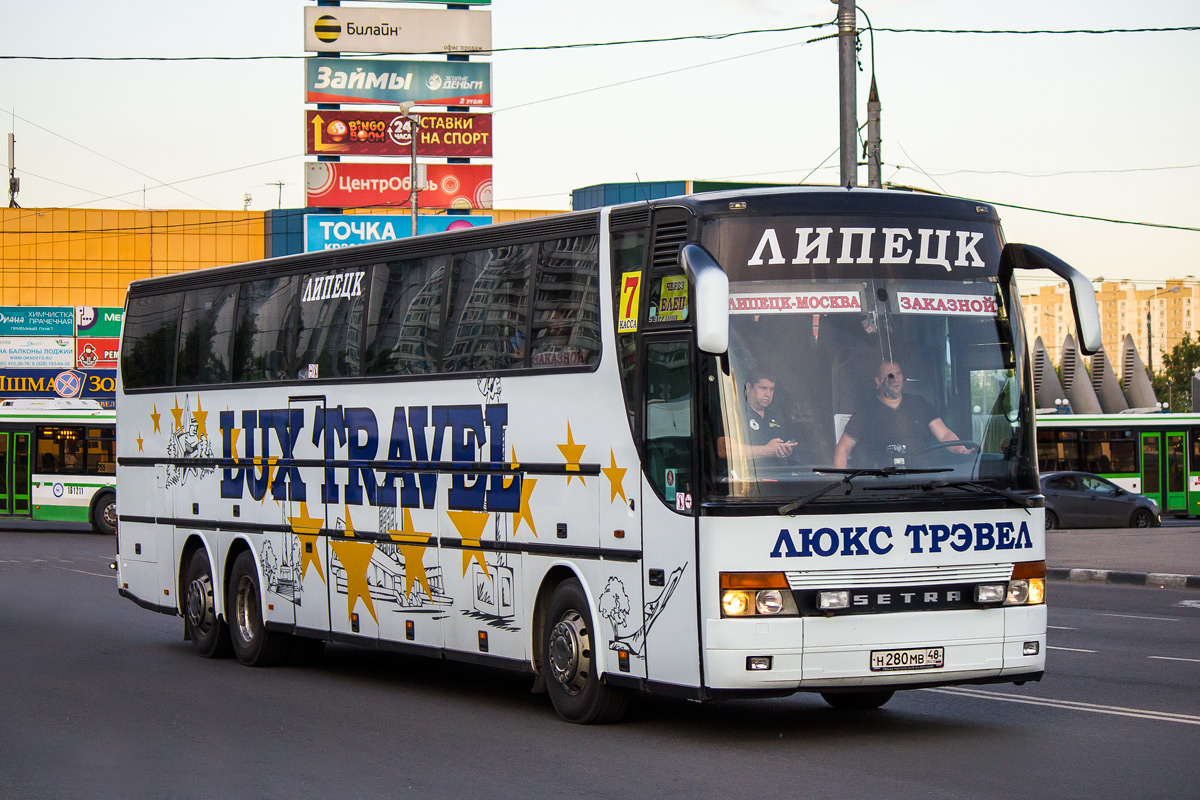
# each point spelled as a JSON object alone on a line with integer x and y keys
{"x": 566, "y": 305}
{"x": 328, "y": 342}
{"x": 488, "y": 309}
{"x": 405, "y": 316}
{"x": 148, "y": 349}
{"x": 264, "y": 340}
{"x": 206, "y": 335}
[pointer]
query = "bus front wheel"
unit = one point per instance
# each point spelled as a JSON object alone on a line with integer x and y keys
{"x": 207, "y": 632}
{"x": 253, "y": 644}
{"x": 857, "y": 701}
{"x": 104, "y": 514}
{"x": 569, "y": 662}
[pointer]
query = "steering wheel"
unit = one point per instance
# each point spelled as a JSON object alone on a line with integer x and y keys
{"x": 967, "y": 443}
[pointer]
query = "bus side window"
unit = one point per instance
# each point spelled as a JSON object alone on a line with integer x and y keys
{"x": 489, "y": 299}
{"x": 404, "y": 318}
{"x": 628, "y": 263}
{"x": 150, "y": 338}
{"x": 206, "y": 335}
{"x": 669, "y": 419}
{"x": 566, "y": 305}
{"x": 264, "y": 340}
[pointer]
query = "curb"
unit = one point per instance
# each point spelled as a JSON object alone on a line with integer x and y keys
{"x": 1161, "y": 580}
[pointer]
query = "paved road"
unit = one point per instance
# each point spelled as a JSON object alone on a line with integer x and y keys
{"x": 104, "y": 699}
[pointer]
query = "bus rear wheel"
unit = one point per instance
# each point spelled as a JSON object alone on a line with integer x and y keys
{"x": 104, "y": 514}
{"x": 857, "y": 701}
{"x": 569, "y": 662}
{"x": 207, "y": 632}
{"x": 253, "y": 644}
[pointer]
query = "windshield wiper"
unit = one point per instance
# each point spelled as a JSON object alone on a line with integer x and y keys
{"x": 979, "y": 487}
{"x": 850, "y": 475}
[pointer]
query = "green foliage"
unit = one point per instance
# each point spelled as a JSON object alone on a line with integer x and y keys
{"x": 1173, "y": 383}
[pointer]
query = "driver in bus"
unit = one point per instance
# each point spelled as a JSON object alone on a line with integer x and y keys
{"x": 767, "y": 436}
{"x": 894, "y": 427}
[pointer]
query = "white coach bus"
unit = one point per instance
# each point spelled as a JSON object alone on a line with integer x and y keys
{"x": 551, "y": 446}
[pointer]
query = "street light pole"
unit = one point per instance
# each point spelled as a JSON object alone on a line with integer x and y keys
{"x": 1150, "y": 329}
{"x": 414, "y": 127}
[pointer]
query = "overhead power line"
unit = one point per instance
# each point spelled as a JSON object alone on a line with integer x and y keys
{"x": 659, "y": 40}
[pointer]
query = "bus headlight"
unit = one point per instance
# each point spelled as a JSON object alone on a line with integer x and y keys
{"x": 735, "y": 604}
{"x": 756, "y": 594}
{"x": 1018, "y": 593}
{"x": 768, "y": 601}
{"x": 1028, "y": 584}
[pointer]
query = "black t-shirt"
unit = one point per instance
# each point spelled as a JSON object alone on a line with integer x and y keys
{"x": 765, "y": 428}
{"x": 885, "y": 434}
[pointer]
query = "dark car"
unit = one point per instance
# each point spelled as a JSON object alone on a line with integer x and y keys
{"x": 1084, "y": 500}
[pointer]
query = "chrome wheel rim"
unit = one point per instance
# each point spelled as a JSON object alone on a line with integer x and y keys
{"x": 200, "y": 604}
{"x": 570, "y": 649}
{"x": 246, "y": 603}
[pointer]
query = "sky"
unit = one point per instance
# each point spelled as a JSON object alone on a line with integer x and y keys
{"x": 1084, "y": 124}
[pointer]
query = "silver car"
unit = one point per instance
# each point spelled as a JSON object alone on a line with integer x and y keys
{"x": 1084, "y": 500}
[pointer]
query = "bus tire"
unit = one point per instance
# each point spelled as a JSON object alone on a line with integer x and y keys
{"x": 207, "y": 632}
{"x": 1051, "y": 520}
{"x": 253, "y": 644}
{"x": 857, "y": 701}
{"x": 104, "y": 514}
{"x": 569, "y": 663}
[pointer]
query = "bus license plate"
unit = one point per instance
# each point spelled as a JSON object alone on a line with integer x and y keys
{"x": 916, "y": 658}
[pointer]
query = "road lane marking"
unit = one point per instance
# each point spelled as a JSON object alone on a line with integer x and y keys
{"x": 1170, "y": 658}
{"x": 85, "y": 572}
{"x": 1071, "y": 649}
{"x": 1072, "y": 705}
{"x": 1059, "y": 628}
{"x": 1134, "y": 616}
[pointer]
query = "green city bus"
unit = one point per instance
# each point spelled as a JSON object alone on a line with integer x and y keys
{"x": 59, "y": 462}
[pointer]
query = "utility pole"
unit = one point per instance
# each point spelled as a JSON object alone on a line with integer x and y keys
{"x": 280, "y": 184}
{"x": 14, "y": 183}
{"x": 848, "y": 91}
{"x": 874, "y": 163}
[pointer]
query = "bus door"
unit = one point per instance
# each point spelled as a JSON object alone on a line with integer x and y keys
{"x": 1152, "y": 467}
{"x": 15, "y": 480}
{"x": 669, "y": 545}
{"x": 1176, "y": 477}
{"x": 307, "y": 544}
{"x": 1193, "y": 507}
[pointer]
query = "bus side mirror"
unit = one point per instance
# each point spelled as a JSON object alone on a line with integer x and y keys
{"x": 711, "y": 286}
{"x": 1083, "y": 296}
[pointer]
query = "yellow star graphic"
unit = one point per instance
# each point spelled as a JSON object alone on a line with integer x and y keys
{"x": 572, "y": 453}
{"x": 412, "y": 544}
{"x": 349, "y": 529}
{"x": 234, "y": 434}
{"x": 470, "y": 525}
{"x": 356, "y": 558}
{"x": 507, "y": 480}
{"x": 139, "y": 441}
{"x": 155, "y": 417}
{"x": 177, "y": 413}
{"x": 307, "y": 529}
{"x": 616, "y": 478}
{"x": 272, "y": 471}
{"x": 525, "y": 514}
{"x": 201, "y": 417}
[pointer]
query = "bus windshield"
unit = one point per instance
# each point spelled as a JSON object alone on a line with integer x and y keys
{"x": 907, "y": 381}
